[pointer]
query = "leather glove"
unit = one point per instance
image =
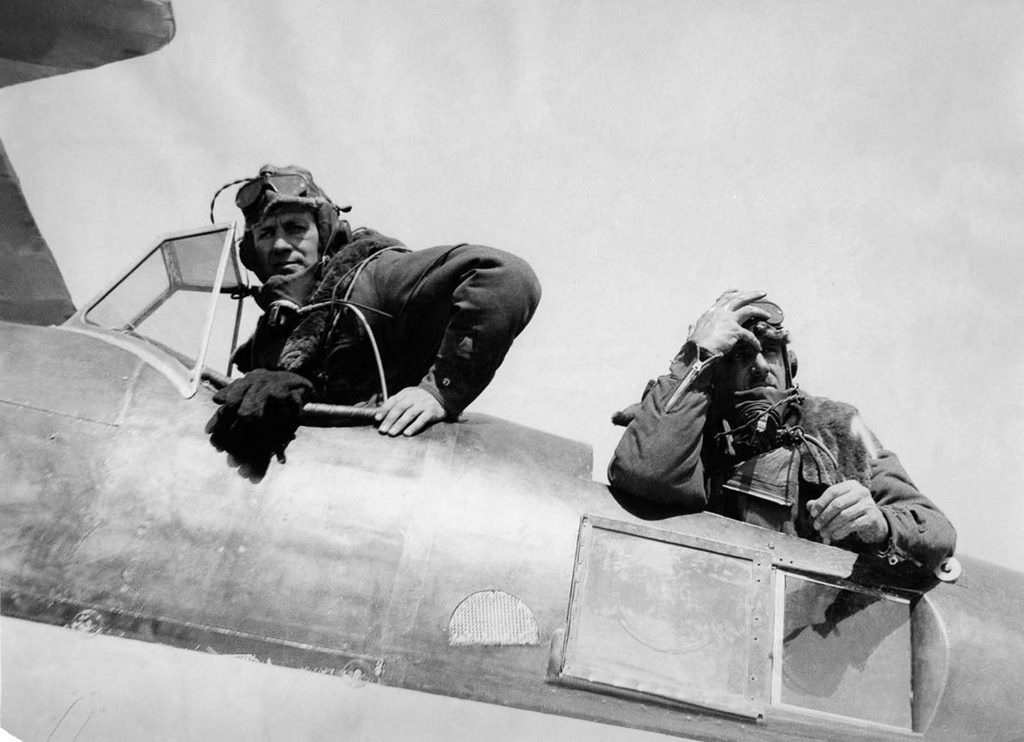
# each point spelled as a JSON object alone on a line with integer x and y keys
{"x": 258, "y": 416}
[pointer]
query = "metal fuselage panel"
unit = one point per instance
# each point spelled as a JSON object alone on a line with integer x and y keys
{"x": 118, "y": 514}
{"x": 69, "y": 685}
{"x": 981, "y": 616}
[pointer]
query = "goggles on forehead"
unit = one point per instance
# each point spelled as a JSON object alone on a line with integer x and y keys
{"x": 287, "y": 184}
{"x": 775, "y": 315}
{"x": 284, "y": 184}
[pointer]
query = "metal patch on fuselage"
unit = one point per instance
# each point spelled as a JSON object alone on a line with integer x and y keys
{"x": 492, "y": 617}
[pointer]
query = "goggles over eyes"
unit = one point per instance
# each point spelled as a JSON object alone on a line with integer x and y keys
{"x": 775, "y": 315}
{"x": 287, "y": 184}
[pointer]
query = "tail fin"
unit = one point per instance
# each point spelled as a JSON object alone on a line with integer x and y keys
{"x": 32, "y": 289}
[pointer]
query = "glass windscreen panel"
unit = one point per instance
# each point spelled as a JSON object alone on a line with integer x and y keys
{"x": 135, "y": 298}
{"x": 167, "y": 299}
{"x": 667, "y": 619}
{"x": 192, "y": 262}
{"x": 844, "y": 651}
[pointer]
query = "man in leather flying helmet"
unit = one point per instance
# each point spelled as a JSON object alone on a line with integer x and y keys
{"x": 727, "y": 431}
{"x": 351, "y": 315}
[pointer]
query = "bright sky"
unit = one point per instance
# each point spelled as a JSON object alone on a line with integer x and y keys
{"x": 861, "y": 160}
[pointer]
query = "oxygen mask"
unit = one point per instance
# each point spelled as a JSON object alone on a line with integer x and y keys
{"x": 760, "y": 417}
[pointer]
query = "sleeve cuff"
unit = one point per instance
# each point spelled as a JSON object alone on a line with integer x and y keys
{"x": 428, "y": 383}
{"x": 889, "y": 550}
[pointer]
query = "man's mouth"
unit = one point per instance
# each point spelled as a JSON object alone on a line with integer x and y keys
{"x": 288, "y": 266}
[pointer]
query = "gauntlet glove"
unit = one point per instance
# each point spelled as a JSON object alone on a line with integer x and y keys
{"x": 258, "y": 416}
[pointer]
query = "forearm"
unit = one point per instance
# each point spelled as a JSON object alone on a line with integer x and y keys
{"x": 492, "y": 296}
{"x": 659, "y": 455}
{"x": 919, "y": 530}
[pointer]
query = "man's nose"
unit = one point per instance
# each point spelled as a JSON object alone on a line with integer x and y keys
{"x": 281, "y": 242}
{"x": 760, "y": 366}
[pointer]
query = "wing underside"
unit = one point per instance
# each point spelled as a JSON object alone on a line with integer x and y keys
{"x": 41, "y": 38}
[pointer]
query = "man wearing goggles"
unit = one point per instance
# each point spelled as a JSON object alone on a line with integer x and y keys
{"x": 351, "y": 314}
{"x": 727, "y": 430}
{"x": 292, "y": 184}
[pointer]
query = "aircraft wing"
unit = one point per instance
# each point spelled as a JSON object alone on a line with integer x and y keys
{"x": 40, "y": 38}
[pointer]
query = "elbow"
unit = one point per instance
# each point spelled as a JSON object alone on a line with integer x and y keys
{"x": 520, "y": 285}
{"x": 686, "y": 495}
{"x": 923, "y": 535}
{"x": 945, "y": 542}
{"x": 509, "y": 277}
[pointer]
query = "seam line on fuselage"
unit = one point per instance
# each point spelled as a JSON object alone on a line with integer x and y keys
{"x": 24, "y": 406}
{"x": 129, "y": 391}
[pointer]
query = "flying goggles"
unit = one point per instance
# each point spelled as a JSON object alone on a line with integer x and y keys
{"x": 775, "y": 314}
{"x": 285, "y": 184}
{"x": 293, "y": 184}
{"x": 774, "y": 319}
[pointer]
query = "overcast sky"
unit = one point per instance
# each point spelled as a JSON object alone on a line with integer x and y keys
{"x": 861, "y": 161}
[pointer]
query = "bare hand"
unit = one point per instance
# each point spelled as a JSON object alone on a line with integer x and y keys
{"x": 847, "y": 508}
{"x": 721, "y": 326}
{"x": 410, "y": 411}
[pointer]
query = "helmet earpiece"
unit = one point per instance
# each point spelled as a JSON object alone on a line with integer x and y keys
{"x": 340, "y": 236}
{"x": 247, "y": 251}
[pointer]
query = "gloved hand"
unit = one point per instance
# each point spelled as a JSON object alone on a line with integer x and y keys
{"x": 258, "y": 416}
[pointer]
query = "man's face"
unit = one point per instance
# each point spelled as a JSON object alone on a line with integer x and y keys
{"x": 286, "y": 242}
{"x": 744, "y": 368}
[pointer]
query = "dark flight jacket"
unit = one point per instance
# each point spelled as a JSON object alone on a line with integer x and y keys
{"x": 443, "y": 319}
{"x": 663, "y": 456}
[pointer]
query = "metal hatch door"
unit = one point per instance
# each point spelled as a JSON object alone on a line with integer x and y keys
{"x": 670, "y": 617}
